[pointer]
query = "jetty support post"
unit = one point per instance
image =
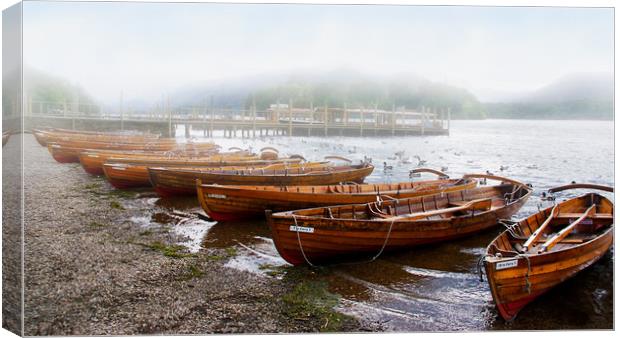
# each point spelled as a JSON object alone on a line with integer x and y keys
{"x": 120, "y": 110}
{"x": 325, "y": 119}
{"x": 449, "y": 118}
{"x": 169, "y": 111}
{"x": 393, "y": 117}
{"x": 290, "y": 117}
{"x": 253, "y": 116}
{"x": 422, "y": 119}
{"x": 362, "y": 121}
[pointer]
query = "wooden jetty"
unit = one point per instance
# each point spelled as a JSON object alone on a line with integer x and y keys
{"x": 278, "y": 119}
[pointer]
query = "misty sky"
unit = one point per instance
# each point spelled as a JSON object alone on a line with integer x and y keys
{"x": 147, "y": 49}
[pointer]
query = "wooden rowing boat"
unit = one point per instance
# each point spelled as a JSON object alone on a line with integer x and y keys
{"x": 538, "y": 252}
{"x": 93, "y": 160}
{"x": 68, "y": 152}
{"x": 44, "y": 137}
{"x": 328, "y": 234}
{"x": 234, "y": 202}
{"x": 169, "y": 181}
{"x": 133, "y": 174}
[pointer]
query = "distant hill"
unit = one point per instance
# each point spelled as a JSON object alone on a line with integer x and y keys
{"x": 336, "y": 88}
{"x": 578, "y": 96}
{"x": 42, "y": 87}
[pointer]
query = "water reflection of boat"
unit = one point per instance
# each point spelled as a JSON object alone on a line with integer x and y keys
{"x": 223, "y": 235}
{"x": 546, "y": 248}
{"x": 323, "y": 234}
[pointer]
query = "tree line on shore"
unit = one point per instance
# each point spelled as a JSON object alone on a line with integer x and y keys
{"x": 358, "y": 91}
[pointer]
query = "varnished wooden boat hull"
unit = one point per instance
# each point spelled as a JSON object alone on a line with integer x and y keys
{"x": 324, "y": 239}
{"x": 183, "y": 182}
{"x": 126, "y": 175}
{"x": 225, "y": 203}
{"x": 45, "y": 136}
{"x": 93, "y": 161}
{"x": 510, "y": 287}
{"x": 69, "y": 152}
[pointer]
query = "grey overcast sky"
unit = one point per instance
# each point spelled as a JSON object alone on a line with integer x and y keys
{"x": 146, "y": 49}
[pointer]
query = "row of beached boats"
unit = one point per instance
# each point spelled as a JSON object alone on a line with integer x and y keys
{"x": 320, "y": 212}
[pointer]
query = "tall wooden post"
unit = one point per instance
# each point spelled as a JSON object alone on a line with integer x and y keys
{"x": 120, "y": 109}
{"x": 362, "y": 121}
{"x": 393, "y": 117}
{"x": 449, "y": 118}
{"x": 290, "y": 117}
{"x": 253, "y": 116}
{"x": 376, "y": 117}
{"x": 345, "y": 115}
{"x": 325, "y": 119}
{"x": 169, "y": 111}
{"x": 423, "y": 117}
{"x": 212, "y": 116}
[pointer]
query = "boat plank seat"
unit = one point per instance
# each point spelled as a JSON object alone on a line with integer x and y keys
{"x": 573, "y": 215}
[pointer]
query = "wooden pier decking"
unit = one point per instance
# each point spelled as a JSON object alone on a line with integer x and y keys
{"x": 279, "y": 119}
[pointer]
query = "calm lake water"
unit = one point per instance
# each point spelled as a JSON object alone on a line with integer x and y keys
{"x": 435, "y": 288}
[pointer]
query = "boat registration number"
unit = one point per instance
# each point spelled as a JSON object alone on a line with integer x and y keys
{"x": 301, "y": 229}
{"x": 506, "y": 264}
{"x": 219, "y": 196}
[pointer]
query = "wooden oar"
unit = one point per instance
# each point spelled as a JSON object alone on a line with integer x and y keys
{"x": 582, "y": 186}
{"x": 439, "y": 173}
{"x": 564, "y": 232}
{"x": 338, "y": 158}
{"x": 497, "y": 178}
{"x": 536, "y": 235}
{"x": 479, "y": 204}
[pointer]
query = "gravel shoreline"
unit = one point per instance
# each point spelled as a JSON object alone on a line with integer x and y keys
{"x": 91, "y": 271}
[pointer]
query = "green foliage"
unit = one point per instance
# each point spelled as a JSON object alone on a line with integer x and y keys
{"x": 96, "y": 225}
{"x": 42, "y": 87}
{"x": 311, "y": 299}
{"x": 116, "y": 205}
{"x": 362, "y": 92}
{"x": 174, "y": 251}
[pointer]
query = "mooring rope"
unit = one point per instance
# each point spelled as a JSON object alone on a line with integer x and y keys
{"x": 301, "y": 248}
{"x": 387, "y": 237}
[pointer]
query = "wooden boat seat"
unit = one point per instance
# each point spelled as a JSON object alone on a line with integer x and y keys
{"x": 571, "y": 215}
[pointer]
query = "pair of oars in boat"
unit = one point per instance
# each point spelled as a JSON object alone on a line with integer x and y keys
{"x": 555, "y": 211}
{"x": 474, "y": 205}
{"x": 479, "y": 204}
